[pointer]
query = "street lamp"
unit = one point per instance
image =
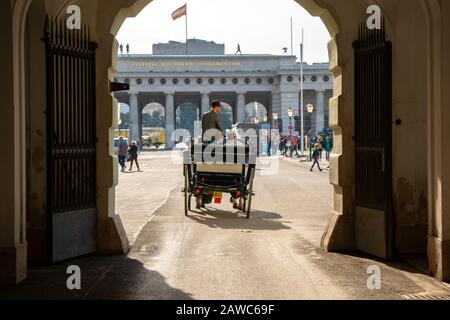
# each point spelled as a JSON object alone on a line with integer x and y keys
{"x": 310, "y": 109}
{"x": 275, "y": 116}
{"x": 266, "y": 137}
{"x": 290, "y": 114}
{"x": 275, "y": 119}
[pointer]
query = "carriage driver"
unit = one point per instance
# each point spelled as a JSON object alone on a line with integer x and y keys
{"x": 211, "y": 121}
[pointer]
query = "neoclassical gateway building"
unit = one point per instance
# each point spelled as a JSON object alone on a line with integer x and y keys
{"x": 248, "y": 86}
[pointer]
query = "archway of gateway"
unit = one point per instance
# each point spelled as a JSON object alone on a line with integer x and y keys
{"x": 389, "y": 173}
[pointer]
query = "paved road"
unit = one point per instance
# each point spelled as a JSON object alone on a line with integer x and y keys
{"x": 139, "y": 194}
{"x": 218, "y": 254}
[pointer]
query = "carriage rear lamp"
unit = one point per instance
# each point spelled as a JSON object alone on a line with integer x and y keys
{"x": 238, "y": 194}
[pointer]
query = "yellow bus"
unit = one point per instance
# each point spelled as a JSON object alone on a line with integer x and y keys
{"x": 122, "y": 133}
{"x": 151, "y": 136}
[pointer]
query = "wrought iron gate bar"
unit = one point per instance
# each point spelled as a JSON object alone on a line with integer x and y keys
{"x": 70, "y": 56}
{"x": 372, "y": 118}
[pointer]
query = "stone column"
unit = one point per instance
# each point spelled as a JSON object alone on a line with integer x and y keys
{"x": 288, "y": 100}
{"x": 170, "y": 119}
{"x": 276, "y": 108}
{"x": 240, "y": 107}
{"x": 205, "y": 103}
{"x": 134, "y": 115}
{"x": 320, "y": 111}
{"x": 13, "y": 242}
{"x": 438, "y": 168}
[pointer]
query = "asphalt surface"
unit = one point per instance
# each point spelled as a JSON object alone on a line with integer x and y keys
{"x": 218, "y": 254}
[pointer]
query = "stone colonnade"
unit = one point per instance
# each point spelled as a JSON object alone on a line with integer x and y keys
{"x": 279, "y": 103}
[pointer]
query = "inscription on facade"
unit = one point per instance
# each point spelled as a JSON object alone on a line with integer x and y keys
{"x": 185, "y": 64}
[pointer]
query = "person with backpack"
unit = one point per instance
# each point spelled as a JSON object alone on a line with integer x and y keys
{"x": 316, "y": 158}
{"x": 122, "y": 153}
{"x": 134, "y": 151}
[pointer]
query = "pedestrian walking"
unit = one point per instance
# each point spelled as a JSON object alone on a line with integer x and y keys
{"x": 328, "y": 148}
{"x": 134, "y": 151}
{"x": 287, "y": 146}
{"x": 294, "y": 146}
{"x": 122, "y": 151}
{"x": 281, "y": 146}
{"x": 316, "y": 157}
{"x": 320, "y": 143}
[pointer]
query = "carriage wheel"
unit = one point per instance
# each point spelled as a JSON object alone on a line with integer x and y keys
{"x": 187, "y": 196}
{"x": 250, "y": 193}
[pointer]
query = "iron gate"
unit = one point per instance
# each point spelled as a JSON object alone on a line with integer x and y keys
{"x": 373, "y": 125}
{"x": 71, "y": 140}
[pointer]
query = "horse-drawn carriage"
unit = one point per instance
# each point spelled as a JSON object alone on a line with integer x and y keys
{"x": 210, "y": 170}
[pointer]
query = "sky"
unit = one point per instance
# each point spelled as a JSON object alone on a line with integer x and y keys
{"x": 259, "y": 26}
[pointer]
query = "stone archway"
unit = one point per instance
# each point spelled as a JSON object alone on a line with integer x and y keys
{"x": 13, "y": 244}
{"x": 339, "y": 234}
{"x": 156, "y": 113}
{"x": 227, "y": 115}
{"x": 111, "y": 237}
{"x": 255, "y": 112}
{"x": 186, "y": 114}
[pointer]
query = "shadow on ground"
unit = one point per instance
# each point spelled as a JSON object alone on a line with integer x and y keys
{"x": 259, "y": 220}
{"x": 102, "y": 278}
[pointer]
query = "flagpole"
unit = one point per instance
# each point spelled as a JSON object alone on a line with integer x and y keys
{"x": 301, "y": 96}
{"x": 292, "y": 37}
{"x": 187, "y": 48}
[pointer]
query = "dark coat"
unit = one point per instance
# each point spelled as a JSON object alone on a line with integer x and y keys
{"x": 316, "y": 154}
{"x": 133, "y": 152}
{"x": 211, "y": 120}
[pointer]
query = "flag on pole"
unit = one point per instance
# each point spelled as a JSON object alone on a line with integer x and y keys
{"x": 180, "y": 12}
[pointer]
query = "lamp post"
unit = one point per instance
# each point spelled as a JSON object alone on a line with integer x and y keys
{"x": 119, "y": 123}
{"x": 275, "y": 119}
{"x": 267, "y": 137}
{"x": 290, "y": 114}
{"x": 310, "y": 109}
{"x": 276, "y": 126}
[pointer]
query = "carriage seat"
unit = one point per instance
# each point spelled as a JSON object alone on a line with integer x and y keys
{"x": 219, "y": 168}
